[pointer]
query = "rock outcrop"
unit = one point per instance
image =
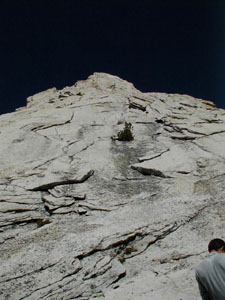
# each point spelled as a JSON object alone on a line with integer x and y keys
{"x": 86, "y": 216}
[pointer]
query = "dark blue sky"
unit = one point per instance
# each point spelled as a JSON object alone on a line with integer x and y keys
{"x": 172, "y": 46}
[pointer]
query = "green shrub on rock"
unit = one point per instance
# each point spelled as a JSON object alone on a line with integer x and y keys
{"x": 126, "y": 134}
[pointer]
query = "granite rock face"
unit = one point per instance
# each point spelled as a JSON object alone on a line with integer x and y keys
{"x": 85, "y": 216}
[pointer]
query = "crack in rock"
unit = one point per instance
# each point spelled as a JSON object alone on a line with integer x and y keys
{"x": 42, "y": 127}
{"x": 154, "y": 155}
{"x": 79, "y": 257}
{"x": 50, "y": 277}
{"x": 176, "y": 257}
{"x": 92, "y": 207}
{"x": 19, "y": 218}
{"x": 149, "y": 171}
{"x": 84, "y": 175}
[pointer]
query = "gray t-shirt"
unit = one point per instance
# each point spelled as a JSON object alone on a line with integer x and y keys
{"x": 210, "y": 275}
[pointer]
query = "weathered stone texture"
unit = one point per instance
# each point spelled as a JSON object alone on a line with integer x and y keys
{"x": 85, "y": 216}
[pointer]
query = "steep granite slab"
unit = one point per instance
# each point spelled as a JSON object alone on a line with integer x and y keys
{"x": 180, "y": 159}
{"x": 86, "y": 216}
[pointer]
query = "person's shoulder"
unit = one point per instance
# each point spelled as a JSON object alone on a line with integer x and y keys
{"x": 203, "y": 264}
{"x": 200, "y": 266}
{"x": 220, "y": 258}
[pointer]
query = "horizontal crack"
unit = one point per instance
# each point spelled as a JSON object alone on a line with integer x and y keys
{"x": 170, "y": 230}
{"x": 161, "y": 236}
{"x": 29, "y": 273}
{"x": 45, "y": 187}
{"x": 141, "y": 159}
{"x": 18, "y": 222}
{"x": 177, "y": 257}
{"x": 42, "y": 127}
{"x": 92, "y": 207}
{"x": 184, "y": 138}
{"x": 137, "y": 106}
{"x": 115, "y": 244}
{"x": 213, "y": 133}
{"x": 74, "y": 272}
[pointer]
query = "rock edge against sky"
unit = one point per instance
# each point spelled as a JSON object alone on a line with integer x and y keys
{"x": 84, "y": 216}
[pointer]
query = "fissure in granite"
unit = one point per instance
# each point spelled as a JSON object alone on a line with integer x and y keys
{"x": 83, "y": 216}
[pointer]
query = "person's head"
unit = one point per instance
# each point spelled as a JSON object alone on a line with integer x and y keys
{"x": 216, "y": 245}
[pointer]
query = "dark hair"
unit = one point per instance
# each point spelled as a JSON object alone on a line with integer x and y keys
{"x": 216, "y": 244}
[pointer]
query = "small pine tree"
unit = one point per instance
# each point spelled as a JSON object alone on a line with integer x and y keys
{"x": 126, "y": 134}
